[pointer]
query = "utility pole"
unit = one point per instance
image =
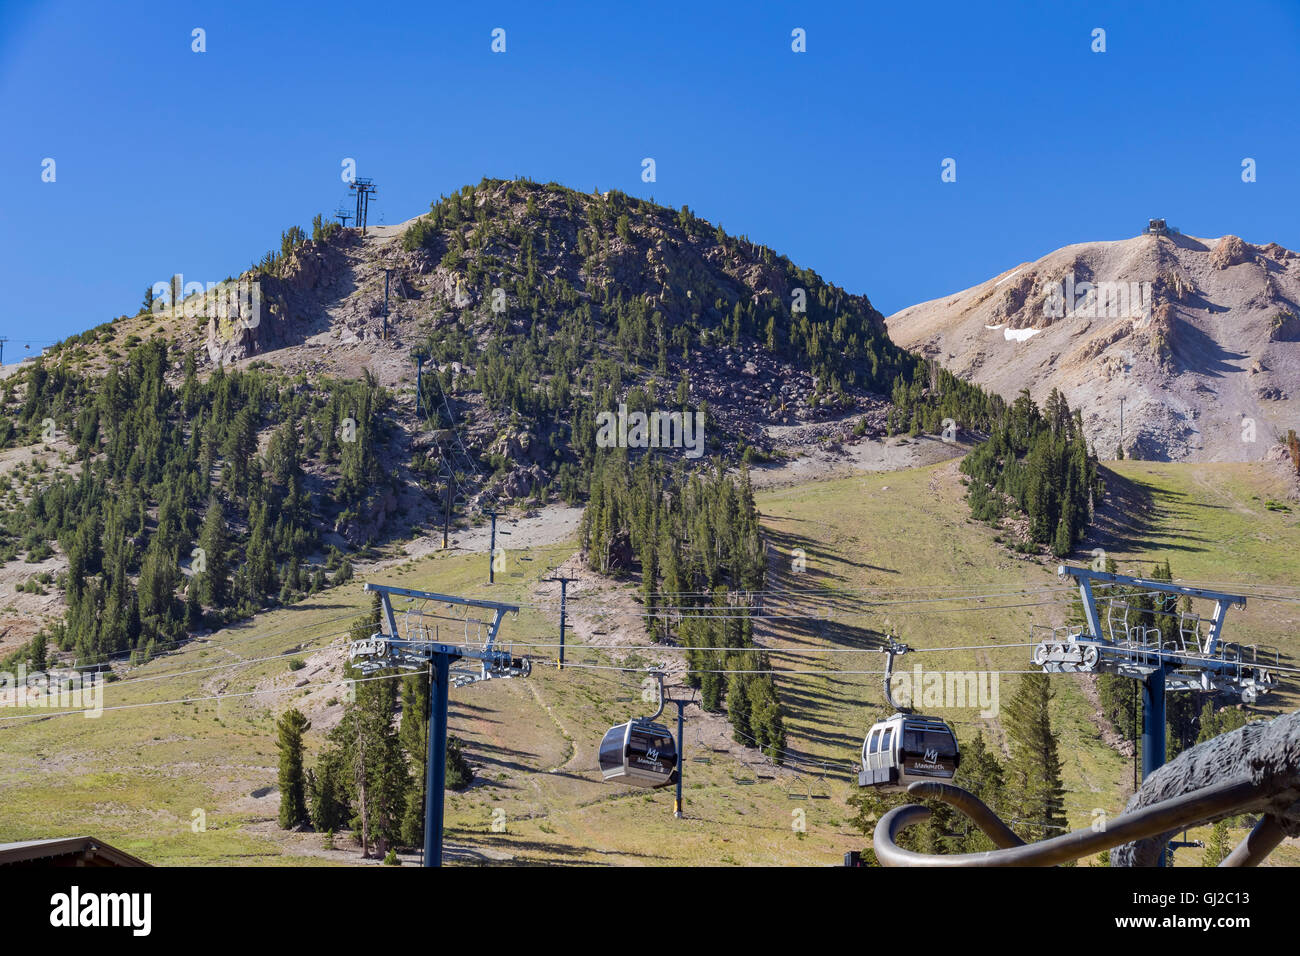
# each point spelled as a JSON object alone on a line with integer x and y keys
{"x": 419, "y": 376}
{"x": 3, "y": 340}
{"x": 564, "y": 607}
{"x": 681, "y": 739}
{"x": 1121, "y": 425}
{"x": 446, "y": 515}
{"x": 681, "y": 746}
{"x": 492, "y": 548}
{"x": 343, "y": 216}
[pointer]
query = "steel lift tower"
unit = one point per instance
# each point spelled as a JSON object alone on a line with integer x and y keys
{"x": 364, "y": 188}
{"x": 1192, "y": 662}
{"x": 386, "y": 650}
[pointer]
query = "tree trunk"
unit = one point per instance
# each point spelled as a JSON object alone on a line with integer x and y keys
{"x": 361, "y": 790}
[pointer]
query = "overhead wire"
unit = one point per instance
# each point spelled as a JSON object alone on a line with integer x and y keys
{"x": 205, "y": 697}
{"x": 802, "y": 763}
{"x": 762, "y": 671}
{"x": 97, "y": 660}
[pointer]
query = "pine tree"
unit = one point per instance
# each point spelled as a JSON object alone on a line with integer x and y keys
{"x": 981, "y": 774}
{"x": 38, "y": 652}
{"x": 1035, "y": 793}
{"x": 459, "y": 773}
{"x": 1062, "y": 543}
{"x": 1215, "y": 723}
{"x": 290, "y": 729}
{"x": 415, "y": 741}
{"x": 214, "y": 540}
{"x": 328, "y": 792}
{"x": 649, "y": 578}
{"x": 375, "y": 775}
{"x": 193, "y": 609}
{"x": 1218, "y": 846}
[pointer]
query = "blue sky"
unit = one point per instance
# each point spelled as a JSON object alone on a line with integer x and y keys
{"x": 171, "y": 161}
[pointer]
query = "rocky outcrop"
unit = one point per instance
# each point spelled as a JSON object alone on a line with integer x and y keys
{"x": 1285, "y": 327}
{"x": 1266, "y": 753}
{"x": 367, "y": 522}
{"x": 1231, "y": 251}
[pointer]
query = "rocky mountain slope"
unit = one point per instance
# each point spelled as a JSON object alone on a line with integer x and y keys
{"x": 533, "y": 309}
{"x": 551, "y": 251}
{"x": 1200, "y": 338}
{"x": 514, "y": 266}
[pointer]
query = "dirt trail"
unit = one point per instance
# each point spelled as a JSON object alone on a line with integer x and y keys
{"x": 555, "y": 523}
{"x": 564, "y": 731}
{"x": 835, "y": 460}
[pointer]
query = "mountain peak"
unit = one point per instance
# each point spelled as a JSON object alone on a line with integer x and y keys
{"x": 1199, "y": 337}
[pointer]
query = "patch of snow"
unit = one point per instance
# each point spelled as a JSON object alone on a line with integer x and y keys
{"x": 1006, "y": 277}
{"x": 1019, "y": 335}
{"x": 993, "y": 328}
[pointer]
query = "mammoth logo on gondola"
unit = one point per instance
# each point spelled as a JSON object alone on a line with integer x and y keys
{"x": 651, "y": 758}
{"x": 929, "y": 763}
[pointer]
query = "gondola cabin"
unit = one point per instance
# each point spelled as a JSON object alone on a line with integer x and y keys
{"x": 907, "y": 748}
{"x": 640, "y": 753}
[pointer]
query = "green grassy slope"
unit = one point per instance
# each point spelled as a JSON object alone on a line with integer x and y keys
{"x": 136, "y": 777}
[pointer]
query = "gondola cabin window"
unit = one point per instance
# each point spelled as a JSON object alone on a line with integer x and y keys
{"x": 922, "y": 741}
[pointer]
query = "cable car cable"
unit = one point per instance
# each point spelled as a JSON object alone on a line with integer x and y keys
{"x": 209, "y": 697}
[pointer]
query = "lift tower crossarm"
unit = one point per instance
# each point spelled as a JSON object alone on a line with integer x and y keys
{"x": 1086, "y": 576}
{"x": 386, "y": 591}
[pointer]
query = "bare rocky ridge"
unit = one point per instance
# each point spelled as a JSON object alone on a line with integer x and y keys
{"x": 1196, "y": 335}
